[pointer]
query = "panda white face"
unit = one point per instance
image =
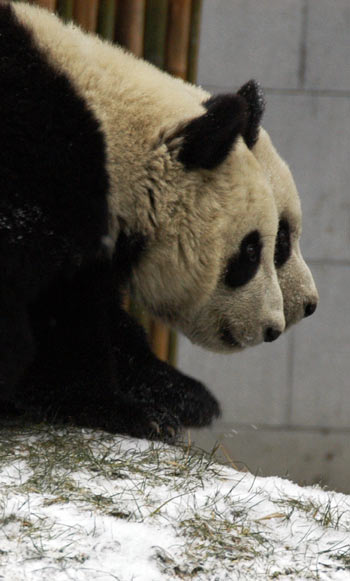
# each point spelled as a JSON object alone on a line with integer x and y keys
{"x": 210, "y": 270}
{"x": 298, "y": 288}
{"x": 246, "y": 305}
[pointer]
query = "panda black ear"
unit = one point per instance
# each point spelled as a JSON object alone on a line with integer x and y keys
{"x": 255, "y": 98}
{"x": 208, "y": 139}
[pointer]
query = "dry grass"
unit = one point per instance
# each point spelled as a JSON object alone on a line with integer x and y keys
{"x": 216, "y": 527}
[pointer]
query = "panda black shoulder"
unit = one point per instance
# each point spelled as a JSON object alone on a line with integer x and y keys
{"x": 50, "y": 133}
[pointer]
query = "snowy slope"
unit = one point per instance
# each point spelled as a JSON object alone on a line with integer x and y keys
{"x": 80, "y": 505}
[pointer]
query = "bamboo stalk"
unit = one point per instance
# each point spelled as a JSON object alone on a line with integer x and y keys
{"x": 129, "y": 29}
{"x": 193, "y": 48}
{"x": 182, "y": 18}
{"x": 180, "y": 15}
{"x": 85, "y": 14}
{"x": 154, "y": 51}
{"x": 65, "y": 9}
{"x": 172, "y": 348}
{"x": 160, "y": 340}
{"x": 49, "y": 4}
{"x": 178, "y": 33}
{"x": 106, "y": 18}
{"x": 155, "y": 31}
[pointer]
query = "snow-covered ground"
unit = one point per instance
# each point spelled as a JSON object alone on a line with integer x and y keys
{"x": 81, "y": 505}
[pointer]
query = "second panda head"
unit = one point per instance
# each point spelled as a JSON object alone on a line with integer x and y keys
{"x": 300, "y": 295}
{"x": 298, "y": 287}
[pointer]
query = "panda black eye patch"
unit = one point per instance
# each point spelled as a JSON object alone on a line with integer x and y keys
{"x": 283, "y": 244}
{"x": 244, "y": 264}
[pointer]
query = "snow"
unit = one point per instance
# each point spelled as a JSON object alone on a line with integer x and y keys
{"x": 80, "y": 505}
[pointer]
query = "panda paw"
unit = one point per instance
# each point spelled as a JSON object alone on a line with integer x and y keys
{"x": 124, "y": 415}
{"x": 195, "y": 405}
{"x": 186, "y": 398}
{"x": 164, "y": 427}
{"x": 146, "y": 421}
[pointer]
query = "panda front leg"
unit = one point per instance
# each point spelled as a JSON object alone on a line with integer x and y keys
{"x": 148, "y": 380}
{"x": 151, "y": 398}
{"x": 94, "y": 367}
{"x": 75, "y": 376}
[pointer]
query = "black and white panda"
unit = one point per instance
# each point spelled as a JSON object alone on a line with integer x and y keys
{"x": 112, "y": 175}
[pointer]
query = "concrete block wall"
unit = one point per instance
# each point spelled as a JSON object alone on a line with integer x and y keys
{"x": 287, "y": 404}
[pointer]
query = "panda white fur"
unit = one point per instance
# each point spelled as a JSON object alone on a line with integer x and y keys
{"x": 102, "y": 146}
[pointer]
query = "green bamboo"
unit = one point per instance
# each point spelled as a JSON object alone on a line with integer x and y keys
{"x": 65, "y": 9}
{"x": 106, "y": 19}
{"x": 193, "y": 48}
{"x": 155, "y": 31}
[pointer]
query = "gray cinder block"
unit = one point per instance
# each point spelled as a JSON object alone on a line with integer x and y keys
{"x": 328, "y": 45}
{"x": 321, "y": 394}
{"x": 250, "y": 39}
{"x": 312, "y": 133}
{"x": 252, "y": 386}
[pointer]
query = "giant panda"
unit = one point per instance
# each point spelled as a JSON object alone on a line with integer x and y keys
{"x": 115, "y": 175}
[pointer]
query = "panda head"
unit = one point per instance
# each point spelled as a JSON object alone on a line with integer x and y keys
{"x": 298, "y": 288}
{"x": 208, "y": 263}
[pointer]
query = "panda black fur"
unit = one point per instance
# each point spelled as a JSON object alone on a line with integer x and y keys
{"x": 98, "y": 146}
{"x": 53, "y": 212}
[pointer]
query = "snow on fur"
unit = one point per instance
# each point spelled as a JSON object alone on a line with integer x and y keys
{"x": 81, "y": 505}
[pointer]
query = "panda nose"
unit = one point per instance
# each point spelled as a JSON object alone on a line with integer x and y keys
{"x": 271, "y": 334}
{"x": 309, "y": 309}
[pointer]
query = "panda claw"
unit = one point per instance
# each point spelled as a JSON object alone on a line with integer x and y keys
{"x": 165, "y": 427}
